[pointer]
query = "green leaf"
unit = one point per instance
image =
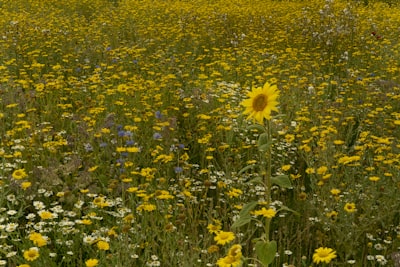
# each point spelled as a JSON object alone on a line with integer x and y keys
{"x": 247, "y": 208}
{"x": 248, "y": 167}
{"x": 262, "y": 139}
{"x": 289, "y": 209}
{"x": 282, "y": 180}
{"x": 257, "y": 127}
{"x": 243, "y": 220}
{"x": 244, "y": 215}
{"x": 264, "y": 147}
{"x": 257, "y": 180}
{"x": 266, "y": 251}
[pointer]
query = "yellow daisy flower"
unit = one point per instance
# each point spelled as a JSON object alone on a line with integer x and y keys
{"x": 91, "y": 262}
{"x": 228, "y": 261}
{"x": 324, "y": 254}
{"x": 103, "y": 245}
{"x": 19, "y": 174}
{"x": 350, "y": 207}
{"x": 268, "y": 213}
{"x": 235, "y": 251}
{"x": 224, "y": 237}
{"x": 261, "y": 102}
{"x": 38, "y": 239}
{"x": 31, "y": 254}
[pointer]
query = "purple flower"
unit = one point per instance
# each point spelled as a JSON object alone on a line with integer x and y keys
{"x": 178, "y": 169}
{"x": 130, "y": 143}
{"x": 158, "y": 115}
{"x": 103, "y": 144}
{"x": 157, "y": 136}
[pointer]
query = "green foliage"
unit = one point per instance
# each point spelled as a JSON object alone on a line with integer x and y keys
{"x": 244, "y": 215}
{"x": 266, "y": 251}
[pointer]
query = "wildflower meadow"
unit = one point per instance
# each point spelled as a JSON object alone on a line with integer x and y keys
{"x": 185, "y": 133}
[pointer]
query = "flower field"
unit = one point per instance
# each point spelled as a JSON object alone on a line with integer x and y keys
{"x": 199, "y": 133}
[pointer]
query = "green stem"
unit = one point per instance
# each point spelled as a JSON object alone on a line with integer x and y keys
{"x": 267, "y": 177}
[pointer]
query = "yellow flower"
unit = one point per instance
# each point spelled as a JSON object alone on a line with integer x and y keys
{"x": 268, "y": 213}
{"x": 91, "y": 262}
{"x": 335, "y": 191}
{"x": 324, "y": 254}
{"x": 146, "y": 207}
{"x": 128, "y": 218}
{"x": 24, "y": 265}
{"x": 374, "y": 178}
{"x": 45, "y": 215}
{"x": 133, "y": 149}
{"x": 214, "y": 228}
{"x": 234, "y": 192}
{"x": 86, "y": 222}
{"x": 103, "y": 245}
{"x": 100, "y": 202}
{"x": 19, "y": 174}
{"x": 31, "y": 254}
{"x": 261, "y": 102}
{"x": 348, "y": 159}
{"x": 223, "y": 238}
{"x": 235, "y": 251}
{"x": 132, "y": 189}
{"x": 38, "y": 239}
{"x": 212, "y": 249}
{"x": 229, "y": 261}
{"x": 332, "y": 215}
{"x": 112, "y": 232}
{"x": 286, "y": 167}
{"x": 338, "y": 142}
{"x": 26, "y": 185}
{"x": 322, "y": 170}
{"x": 92, "y": 169}
{"x": 350, "y": 207}
{"x": 84, "y": 191}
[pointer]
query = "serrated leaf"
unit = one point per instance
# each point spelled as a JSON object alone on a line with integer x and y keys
{"x": 243, "y": 220}
{"x": 257, "y": 127}
{"x": 262, "y": 139}
{"x": 266, "y": 251}
{"x": 282, "y": 180}
{"x": 248, "y": 167}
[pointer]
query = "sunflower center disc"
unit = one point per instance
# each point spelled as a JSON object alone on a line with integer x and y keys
{"x": 260, "y": 102}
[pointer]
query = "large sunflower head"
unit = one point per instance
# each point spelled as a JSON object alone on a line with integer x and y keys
{"x": 261, "y": 102}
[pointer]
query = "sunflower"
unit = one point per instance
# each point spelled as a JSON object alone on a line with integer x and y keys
{"x": 261, "y": 102}
{"x": 323, "y": 254}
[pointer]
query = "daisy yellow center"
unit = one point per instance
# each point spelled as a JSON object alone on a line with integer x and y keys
{"x": 324, "y": 254}
{"x": 32, "y": 254}
{"x": 260, "y": 102}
